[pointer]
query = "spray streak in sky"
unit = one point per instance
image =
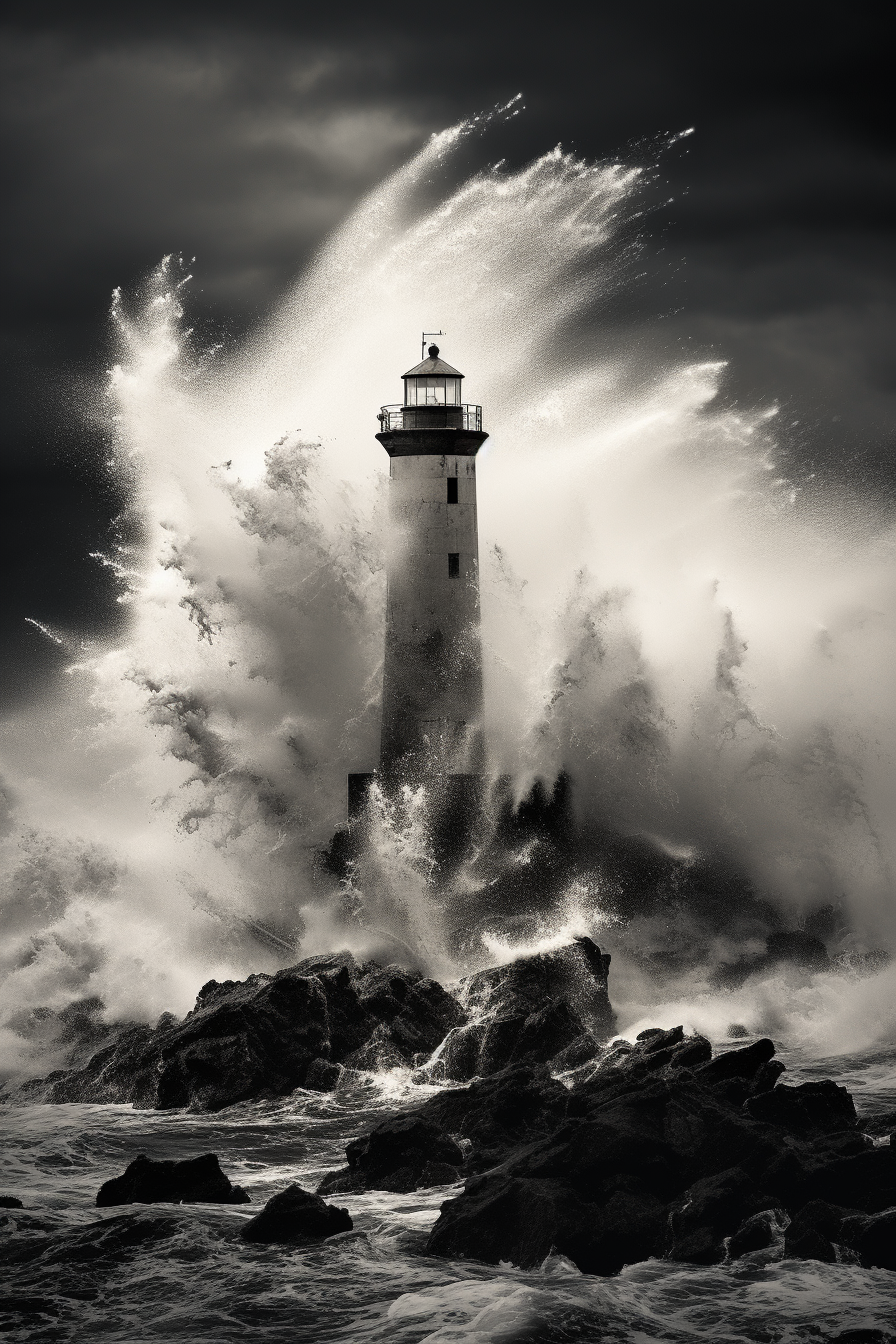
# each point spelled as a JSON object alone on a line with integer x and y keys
{"x": 663, "y": 615}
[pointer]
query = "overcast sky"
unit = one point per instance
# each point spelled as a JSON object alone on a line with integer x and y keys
{"x": 241, "y": 136}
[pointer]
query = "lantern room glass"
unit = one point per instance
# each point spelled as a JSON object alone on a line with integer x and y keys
{"x": 432, "y": 391}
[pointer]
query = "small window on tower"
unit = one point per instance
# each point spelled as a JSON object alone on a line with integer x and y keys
{"x": 452, "y": 489}
{"x": 453, "y": 564}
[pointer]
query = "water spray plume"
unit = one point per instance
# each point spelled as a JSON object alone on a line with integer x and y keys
{"x": 664, "y": 616}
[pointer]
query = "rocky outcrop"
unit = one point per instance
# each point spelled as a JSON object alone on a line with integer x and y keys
{"x": 530, "y": 1011}
{"x": 265, "y": 1036}
{"x": 464, "y": 1130}
{"x": 269, "y": 1034}
{"x": 407, "y": 1153}
{"x": 197, "y": 1180}
{"x": 663, "y": 1151}
{"x": 296, "y": 1216}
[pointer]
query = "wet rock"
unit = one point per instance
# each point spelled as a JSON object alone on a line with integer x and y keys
{"x": 503, "y": 1217}
{"x": 810, "y": 1106}
{"x": 264, "y": 1036}
{"x": 582, "y": 1050}
{"x": 197, "y": 1180}
{"x": 865, "y": 1181}
{"x": 744, "y": 1063}
{"x": 710, "y": 1210}
{"x": 875, "y": 1241}
{"x": 757, "y": 1233}
{"x": 811, "y": 1246}
{"x": 814, "y": 1230}
{"x": 296, "y": 1215}
{"x": 484, "y": 1048}
{"x": 498, "y": 1114}
{"x": 322, "y": 1076}
{"x": 575, "y": 974}
{"x": 403, "y": 1154}
{"x": 10, "y": 1202}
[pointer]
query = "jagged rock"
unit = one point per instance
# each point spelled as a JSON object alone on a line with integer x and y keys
{"x": 10, "y": 1202}
{"x": 580, "y": 1051}
{"x": 498, "y": 1114}
{"x": 484, "y": 1048}
{"x": 575, "y": 974}
{"x": 653, "y": 1141}
{"x": 873, "y": 1238}
{"x": 403, "y": 1154}
{"x": 502, "y": 1217}
{"x": 813, "y": 1231}
{"x": 757, "y": 1233}
{"x": 296, "y": 1215}
{"x": 322, "y": 1076}
{"x": 264, "y": 1037}
{"x": 198, "y": 1180}
{"x": 865, "y": 1181}
{"x": 710, "y": 1210}
{"x": 821, "y": 1106}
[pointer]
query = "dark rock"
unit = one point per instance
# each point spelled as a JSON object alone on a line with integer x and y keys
{"x": 502, "y": 1217}
{"x": 757, "y": 1233}
{"x": 575, "y": 974}
{"x": 743, "y": 1063}
{"x": 811, "y": 1246}
{"x": 810, "y": 1106}
{"x": 484, "y": 1048}
{"x": 260, "y": 1038}
{"x": 866, "y": 1181}
{"x": 876, "y": 1241}
{"x": 198, "y": 1180}
{"x": 296, "y": 1215}
{"x": 10, "y": 1202}
{"x": 580, "y": 1051}
{"x": 322, "y": 1076}
{"x": 499, "y": 1113}
{"x": 814, "y": 1230}
{"x": 736, "y": 1031}
{"x": 710, "y": 1210}
{"x": 400, "y": 1155}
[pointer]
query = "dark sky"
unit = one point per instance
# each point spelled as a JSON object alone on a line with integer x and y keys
{"x": 241, "y": 135}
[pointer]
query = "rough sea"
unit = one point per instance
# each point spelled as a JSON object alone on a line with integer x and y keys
{"x": 198, "y": 1283}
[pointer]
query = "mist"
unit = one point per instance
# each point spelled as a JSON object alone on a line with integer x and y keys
{"x": 698, "y": 642}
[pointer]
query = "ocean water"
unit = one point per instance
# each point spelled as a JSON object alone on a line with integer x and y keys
{"x": 199, "y": 1283}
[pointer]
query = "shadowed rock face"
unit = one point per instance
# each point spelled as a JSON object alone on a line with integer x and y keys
{"x": 530, "y": 1010}
{"x": 198, "y": 1180}
{"x": 659, "y": 1149}
{"x": 269, "y": 1034}
{"x": 295, "y": 1215}
{"x": 265, "y": 1036}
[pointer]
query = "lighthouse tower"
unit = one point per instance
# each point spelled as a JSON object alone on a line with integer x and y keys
{"x": 432, "y": 672}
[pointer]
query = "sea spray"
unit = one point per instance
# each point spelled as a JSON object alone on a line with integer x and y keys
{"x": 694, "y": 637}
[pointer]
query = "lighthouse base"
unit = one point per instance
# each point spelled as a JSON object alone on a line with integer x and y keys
{"x": 454, "y": 808}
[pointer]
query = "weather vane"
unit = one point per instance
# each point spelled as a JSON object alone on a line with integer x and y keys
{"x": 423, "y": 340}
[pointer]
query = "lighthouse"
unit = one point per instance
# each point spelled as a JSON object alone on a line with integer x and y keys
{"x": 432, "y": 667}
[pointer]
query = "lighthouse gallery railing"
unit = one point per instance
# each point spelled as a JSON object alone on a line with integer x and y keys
{"x": 431, "y": 417}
